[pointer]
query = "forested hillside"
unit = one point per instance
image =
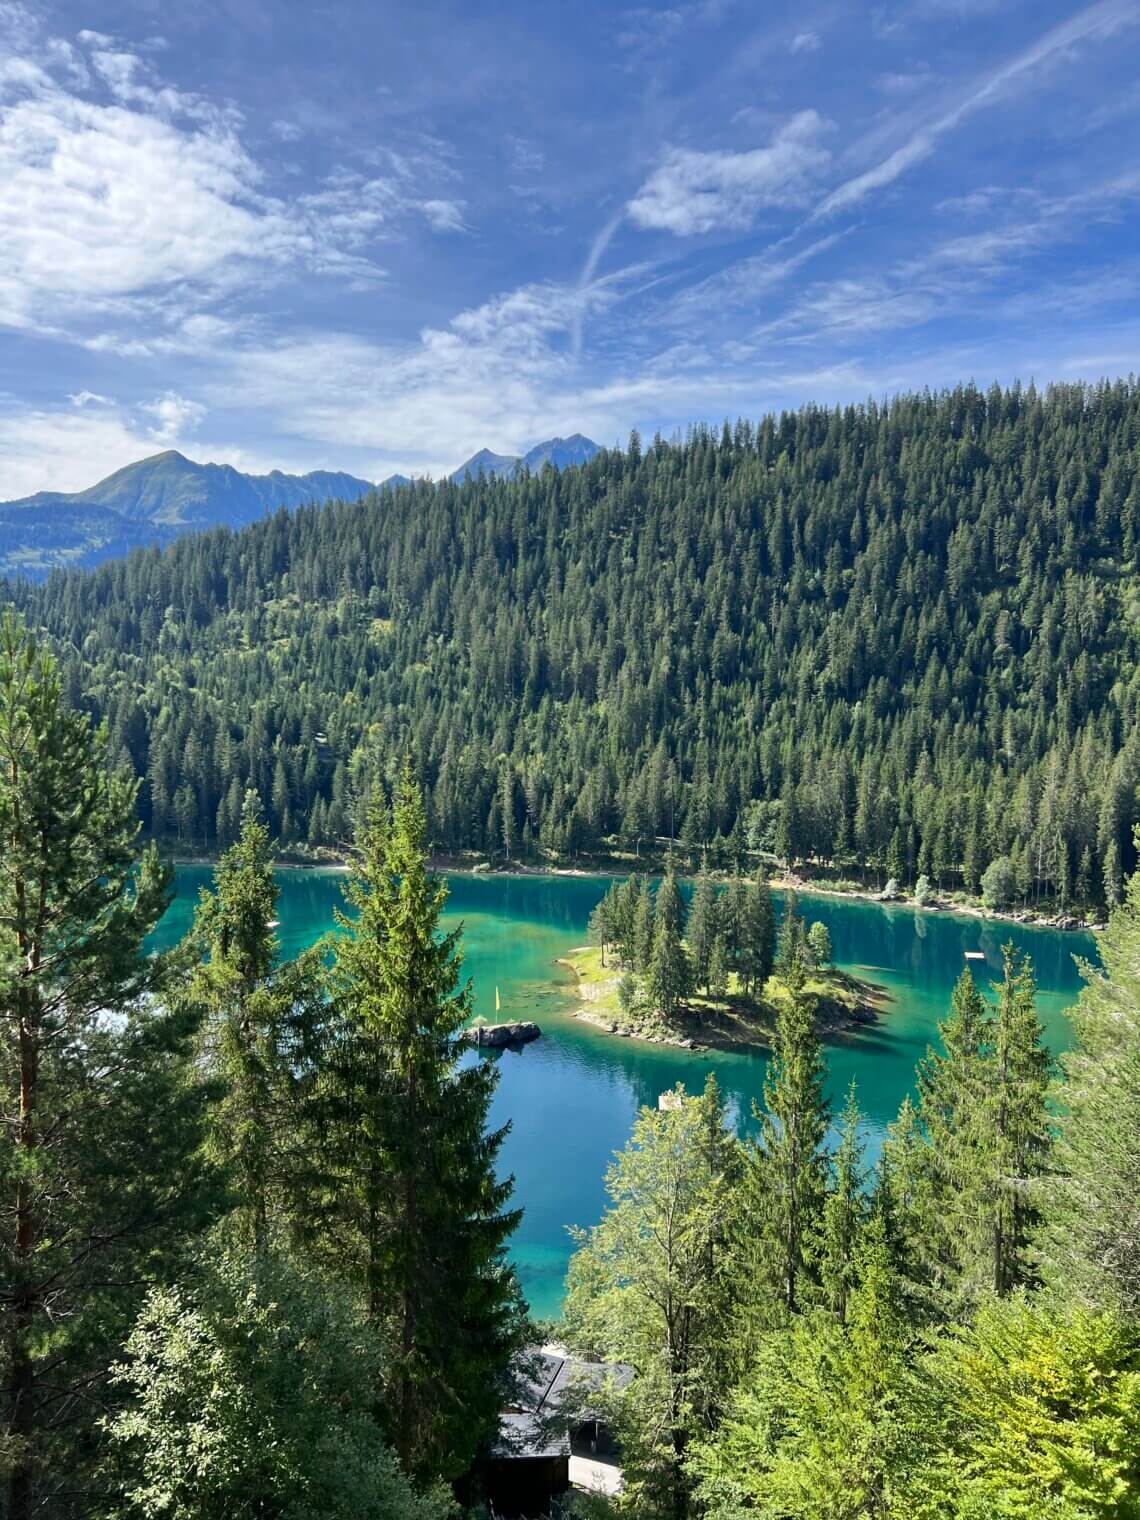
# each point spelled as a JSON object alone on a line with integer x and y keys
{"x": 898, "y": 636}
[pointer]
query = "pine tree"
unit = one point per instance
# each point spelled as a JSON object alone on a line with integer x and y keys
{"x": 702, "y": 929}
{"x": 428, "y": 1221}
{"x": 670, "y": 905}
{"x": 643, "y": 928}
{"x": 1020, "y": 1124}
{"x": 100, "y": 1113}
{"x": 757, "y": 936}
{"x": 262, "y": 1028}
{"x": 843, "y": 1213}
{"x": 669, "y": 980}
{"x": 1090, "y": 1240}
{"x": 952, "y": 1170}
{"x": 786, "y": 1178}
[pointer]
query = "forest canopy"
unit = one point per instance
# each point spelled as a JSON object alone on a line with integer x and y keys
{"x": 899, "y": 637}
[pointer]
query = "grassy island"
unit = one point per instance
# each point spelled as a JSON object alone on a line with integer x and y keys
{"x": 709, "y": 975}
{"x": 732, "y": 1020}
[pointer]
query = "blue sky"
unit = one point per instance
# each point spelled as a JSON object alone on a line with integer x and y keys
{"x": 376, "y": 237}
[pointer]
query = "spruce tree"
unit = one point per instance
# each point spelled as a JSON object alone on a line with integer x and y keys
{"x": 670, "y": 978}
{"x": 844, "y": 1213}
{"x": 643, "y": 927}
{"x": 1020, "y": 1125}
{"x": 786, "y": 1178}
{"x": 702, "y": 929}
{"x": 261, "y": 1034}
{"x": 427, "y": 1220}
{"x": 952, "y": 1168}
{"x": 100, "y": 1112}
{"x": 1090, "y": 1239}
{"x": 757, "y": 936}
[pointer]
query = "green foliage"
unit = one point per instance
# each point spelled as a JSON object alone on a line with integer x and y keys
{"x": 819, "y": 944}
{"x": 262, "y": 1031}
{"x": 787, "y": 1166}
{"x": 757, "y": 935}
{"x": 844, "y": 1214}
{"x": 1041, "y": 1412}
{"x": 418, "y": 1218}
{"x": 820, "y": 1428}
{"x": 669, "y": 979}
{"x": 1091, "y": 1199}
{"x": 250, "y": 1393}
{"x": 650, "y": 1285}
{"x": 99, "y": 1106}
{"x": 895, "y": 635}
{"x": 703, "y": 928}
{"x": 999, "y": 883}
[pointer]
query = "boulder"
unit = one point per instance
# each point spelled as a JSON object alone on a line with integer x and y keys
{"x": 495, "y": 1036}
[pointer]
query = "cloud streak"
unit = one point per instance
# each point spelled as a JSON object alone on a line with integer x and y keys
{"x": 1096, "y": 23}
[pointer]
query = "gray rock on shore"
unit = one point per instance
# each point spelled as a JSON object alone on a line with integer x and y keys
{"x": 495, "y": 1036}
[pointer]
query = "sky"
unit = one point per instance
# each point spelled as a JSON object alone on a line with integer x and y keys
{"x": 377, "y": 237}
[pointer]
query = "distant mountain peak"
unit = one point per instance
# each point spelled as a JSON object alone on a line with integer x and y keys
{"x": 562, "y": 453}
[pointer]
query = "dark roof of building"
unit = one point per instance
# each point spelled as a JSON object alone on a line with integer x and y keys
{"x": 551, "y": 1392}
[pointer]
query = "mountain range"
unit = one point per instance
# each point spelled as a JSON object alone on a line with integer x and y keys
{"x": 157, "y": 499}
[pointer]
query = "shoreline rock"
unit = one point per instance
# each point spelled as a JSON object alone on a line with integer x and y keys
{"x": 496, "y": 1036}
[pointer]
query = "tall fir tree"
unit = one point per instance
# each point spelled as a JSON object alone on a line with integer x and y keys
{"x": 702, "y": 928}
{"x": 844, "y": 1213}
{"x": 1020, "y": 1125}
{"x": 428, "y": 1219}
{"x": 757, "y": 936}
{"x": 1090, "y": 1239}
{"x": 262, "y": 1031}
{"x": 786, "y": 1177}
{"x": 100, "y": 1109}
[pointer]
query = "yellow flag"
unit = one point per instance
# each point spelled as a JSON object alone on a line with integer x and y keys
{"x": 497, "y": 1004}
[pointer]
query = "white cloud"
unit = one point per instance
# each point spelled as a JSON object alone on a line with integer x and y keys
{"x": 1096, "y": 23}
{"x": 444, "y": 216}
{"x": 89, "y": 398}
{"x": 805, "y": 42}
{"x": 692, "y": 192}
{"x": 152, "y": 194}
{"x": 174, "y": 416}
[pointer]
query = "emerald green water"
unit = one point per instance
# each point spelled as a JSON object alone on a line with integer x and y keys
{"x": 571, "y": 1097}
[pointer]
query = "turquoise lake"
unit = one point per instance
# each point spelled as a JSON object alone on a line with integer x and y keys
{"x": 572, "y": 1096}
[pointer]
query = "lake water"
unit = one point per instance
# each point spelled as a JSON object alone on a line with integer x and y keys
{"x": 572, "y": 1096}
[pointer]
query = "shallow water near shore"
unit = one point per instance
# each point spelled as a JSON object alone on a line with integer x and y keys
{"x": 572, "y": 1096}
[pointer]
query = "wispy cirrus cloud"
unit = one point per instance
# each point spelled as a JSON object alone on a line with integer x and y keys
{"x": 1095, "y": 23}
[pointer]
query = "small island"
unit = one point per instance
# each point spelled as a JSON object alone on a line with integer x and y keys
{"x": 711, "y": 977}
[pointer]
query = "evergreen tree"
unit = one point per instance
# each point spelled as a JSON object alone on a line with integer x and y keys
{"x": 757, "y": 936}
{"x": 100, "y": 1114}
{"x": 1020, "y": 1124}
{"x": 669, "y": 907}
{"x": 786, "y": 1177}
{"x": 643, "y": 928}
{"x": 263, "y": 1024}
{"x": 702, "y": 929}
{"x": 651, "y": 1285}
{"x": 1091, "y": 1234}
{"x": 951, "y": 1173}
{"x": 844, "y": 1213}
{"x": 669, "y": 980}
{"x": 427, "y": 1219}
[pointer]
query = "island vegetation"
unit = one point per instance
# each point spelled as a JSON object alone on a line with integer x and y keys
{"x": 708, "y": 974}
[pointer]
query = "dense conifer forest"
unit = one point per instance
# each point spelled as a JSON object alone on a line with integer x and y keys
{"x": 897, "y": 638}
{"x": 254, "y": 1240}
